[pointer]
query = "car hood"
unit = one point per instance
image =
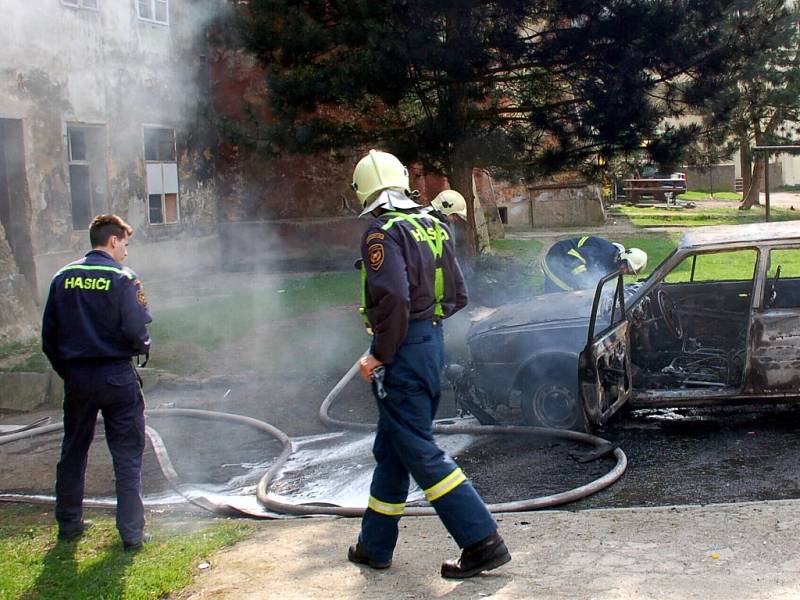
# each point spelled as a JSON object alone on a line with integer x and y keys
{"x": 550, "y": 309}
{"x": 566, "y": 309}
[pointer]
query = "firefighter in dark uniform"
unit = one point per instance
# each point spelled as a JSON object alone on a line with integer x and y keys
{"x": 411, "y": 282}
{"x": 579, "y": 263}
{"x": 95, "y": 321}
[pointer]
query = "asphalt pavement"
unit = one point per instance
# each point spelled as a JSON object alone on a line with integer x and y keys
{"x": 725, "y": 551}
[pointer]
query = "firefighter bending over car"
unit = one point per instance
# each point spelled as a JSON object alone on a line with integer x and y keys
{"x": 411, "y": 282}
{"x": 579, "y": 263}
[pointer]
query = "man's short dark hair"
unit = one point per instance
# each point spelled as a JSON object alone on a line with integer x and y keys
{"x": 104, "y": 226}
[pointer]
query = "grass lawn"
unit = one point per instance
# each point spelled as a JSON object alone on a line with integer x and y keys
{"x": 522, "y": 250}
{"x": 695, "y": 195}
{"x": 273, "y": 329}
{"x": 33, "y": 564}
{"x": 651, "y": 216}
{"x": 213, "y": 321}
{"x": 269, "y": 329}
{"x": 723, "y": 266}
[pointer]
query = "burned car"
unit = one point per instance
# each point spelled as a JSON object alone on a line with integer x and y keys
{"x": 717, "y": 322}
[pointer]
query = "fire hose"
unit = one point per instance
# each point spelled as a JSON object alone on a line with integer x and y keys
{"x": 214, "y": 504}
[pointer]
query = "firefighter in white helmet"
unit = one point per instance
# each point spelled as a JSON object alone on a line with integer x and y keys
{"x": 411, "y": 283}
{"x": 578, "y": 263}
{"x": 450, "y": 202}
{"x": 449, "y": 206}
{"x": 381, "y": 181}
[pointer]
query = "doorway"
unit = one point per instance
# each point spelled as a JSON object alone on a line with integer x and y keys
{"x": 15, "y": 205}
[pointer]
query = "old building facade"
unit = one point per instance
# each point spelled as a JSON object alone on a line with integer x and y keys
{"x": 105, "y": 107}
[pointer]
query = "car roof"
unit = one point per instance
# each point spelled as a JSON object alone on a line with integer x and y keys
{"x": 727, "y": 234}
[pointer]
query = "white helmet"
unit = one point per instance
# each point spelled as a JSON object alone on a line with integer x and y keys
{"x": 635, "y": 257}
{"x": 379, "y": 171}
{"x": 450, "y": 202}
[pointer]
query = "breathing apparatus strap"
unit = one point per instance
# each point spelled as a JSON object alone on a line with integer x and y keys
{"x": 436, "y": 245}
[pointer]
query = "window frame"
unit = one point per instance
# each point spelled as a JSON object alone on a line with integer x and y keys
{"x": 153, "y": 20}
{"x": 769, "y": 274}
{"x": 163, "y": 194}
{"x": 85, "y": 129}
{"x": 694, "y": 256}
{"x": 79, "y": 5}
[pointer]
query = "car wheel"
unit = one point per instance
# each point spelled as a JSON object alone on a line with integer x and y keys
{"x": 552, "y": 402}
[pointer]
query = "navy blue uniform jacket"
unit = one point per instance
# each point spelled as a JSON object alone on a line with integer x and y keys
{"x": 582, "y": 265}
{"x": 400, "y": 281}
{"x": 96, "y": 309}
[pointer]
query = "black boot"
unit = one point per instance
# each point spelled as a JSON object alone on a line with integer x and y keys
{"x": 356, "y": 554}
{"x": 488, "y": 554}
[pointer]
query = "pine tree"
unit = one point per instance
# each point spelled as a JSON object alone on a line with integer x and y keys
{"x": 528, "y": 87}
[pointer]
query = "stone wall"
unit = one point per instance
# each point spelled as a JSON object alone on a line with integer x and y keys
{"x": 721, "y": 178}
{"x": 567, "y": 205}
{"x": 19, "y": 318}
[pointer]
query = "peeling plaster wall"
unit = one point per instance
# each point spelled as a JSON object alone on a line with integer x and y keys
{"x": 18, "y": 315}
{"x": 64, "y": 65}
{"x": 567, "y": 205}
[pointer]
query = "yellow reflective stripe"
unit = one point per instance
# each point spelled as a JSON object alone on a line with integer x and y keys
{"x": 386, "y": 508}
{"x": 582, "y": 241}
{"x": 94, "y": 268}
{"x": 448, "y": 484}
{"x": 579, "y": 269}
{"x": 576, "y": 254}
{"x": 554, "y": 279}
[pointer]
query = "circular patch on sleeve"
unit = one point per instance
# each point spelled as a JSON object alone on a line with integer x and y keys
{"x": 140, "y": 297}
{"x": 375, "y": 254}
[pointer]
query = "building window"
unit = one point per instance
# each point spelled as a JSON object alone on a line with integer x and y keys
{"x": 153, "y": 11}
{"x": 162, "y": 175}
{"x": 88, "y": 4}
{"x": 87, "y": 173}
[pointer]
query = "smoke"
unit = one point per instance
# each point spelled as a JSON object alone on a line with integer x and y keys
{"x": 250, "y": 317}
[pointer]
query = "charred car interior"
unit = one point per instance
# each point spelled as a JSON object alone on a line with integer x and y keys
{"x": 690, "y": 330}
{"x": 717, "y": 322}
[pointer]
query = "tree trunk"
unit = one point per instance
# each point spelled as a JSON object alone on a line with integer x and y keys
{"x": 461, "y": 181}
{"x": 751, "y": 194}
{"x": 745, "y": 164}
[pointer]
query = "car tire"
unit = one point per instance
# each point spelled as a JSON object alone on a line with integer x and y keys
{"x": 552, "y": 401}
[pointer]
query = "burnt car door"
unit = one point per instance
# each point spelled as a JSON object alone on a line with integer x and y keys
{"x": 604, "y": 366}
{"x": 775, "y": 355}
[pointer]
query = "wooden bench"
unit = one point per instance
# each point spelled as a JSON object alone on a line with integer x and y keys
{"x": 663, "y": 190}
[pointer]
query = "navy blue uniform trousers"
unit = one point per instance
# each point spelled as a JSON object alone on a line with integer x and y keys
{"x": 404, "y": 445}
{"x": 111, "y": 388}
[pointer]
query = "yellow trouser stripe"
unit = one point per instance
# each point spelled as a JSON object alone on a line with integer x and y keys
{"x": 582, "y": 241}
{"x": 386, "y": 508}
{"x": 446, "y": 485}
{"x": 555, "y": 279}
{"x": 579, "y": 269}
